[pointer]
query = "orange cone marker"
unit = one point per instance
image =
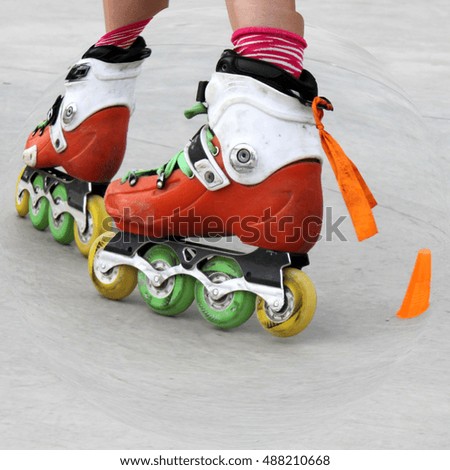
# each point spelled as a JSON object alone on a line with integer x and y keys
{"x": 417, "y": 298}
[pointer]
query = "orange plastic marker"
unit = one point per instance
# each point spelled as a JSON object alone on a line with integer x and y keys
{"x": 417, "y": 297}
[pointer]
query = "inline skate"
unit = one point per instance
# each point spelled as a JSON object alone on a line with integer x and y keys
{"x": 85, "y": 134}
{"x": 253, "y": 173}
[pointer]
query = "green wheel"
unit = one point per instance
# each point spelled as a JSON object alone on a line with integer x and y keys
{"x": 174, "y": 295}
{"x": 232, "y": 309}
{"x": 39, "y": 213}
{"x": 61, "y": 226}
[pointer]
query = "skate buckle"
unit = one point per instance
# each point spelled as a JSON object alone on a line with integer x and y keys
{"x": 57, "y": 137}
{"x": 203, "y": 164}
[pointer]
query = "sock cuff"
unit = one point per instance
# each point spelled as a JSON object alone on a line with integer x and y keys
{"x": 280, "y": 33}
{"x": 277, "y": 46}
{"x": 124, "y": 36}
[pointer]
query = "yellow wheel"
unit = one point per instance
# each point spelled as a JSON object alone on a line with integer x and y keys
{"x": 299, "y": 308}
{"x": 115, "y": 284}
{"x": 96, "y": 224}
{"x": 21, "y": 199}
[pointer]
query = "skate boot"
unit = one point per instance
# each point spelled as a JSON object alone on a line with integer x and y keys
{"x": 85, "y": 134}
{"x": 253, "y": 172}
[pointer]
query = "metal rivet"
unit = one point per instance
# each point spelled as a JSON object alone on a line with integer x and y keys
{"x": 243, "y": 156}
{"x": 209, "y": 177}
{"x": 69, "y": 113}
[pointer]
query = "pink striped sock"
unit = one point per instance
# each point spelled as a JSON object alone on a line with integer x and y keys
{"x": 281, "y": 48}
{"x": 124, "y": 36}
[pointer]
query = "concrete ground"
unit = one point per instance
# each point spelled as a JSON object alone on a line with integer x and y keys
{"x": 80, "y": 372}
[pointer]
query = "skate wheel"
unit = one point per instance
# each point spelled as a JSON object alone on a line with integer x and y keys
{"x": 174, "y": 295}
{"x": 299, "y": 308}
{"x": 39, "y": 213}
{"x": 61, "y": 227}
{"x": 96, "y": 216}
{"x": 232, "y": 309}
{"x": 115, "y": 284}
{"x": 22, "y": 199}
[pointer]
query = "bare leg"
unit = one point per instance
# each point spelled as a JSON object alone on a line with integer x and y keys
{"x": 267, "y": 13}
{"x": 120, "y": 13}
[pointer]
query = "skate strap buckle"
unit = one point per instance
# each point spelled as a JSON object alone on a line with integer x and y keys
{"x": 303, "y": 88}
{"x": 54, "y": 121}
{"x": 201, "y": 161}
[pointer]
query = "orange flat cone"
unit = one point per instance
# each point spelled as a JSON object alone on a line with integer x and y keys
{"x": 417, "y": 298}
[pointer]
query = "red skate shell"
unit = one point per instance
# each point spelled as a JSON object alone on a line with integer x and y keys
{"x": 95, "y": 149}
{"x": 282, "y": 213}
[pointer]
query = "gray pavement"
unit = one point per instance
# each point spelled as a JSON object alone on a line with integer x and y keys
{"x": 80, "y": 372}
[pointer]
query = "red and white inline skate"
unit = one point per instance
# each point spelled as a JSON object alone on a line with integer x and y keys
{"x": 85, "y": 134}
{"x": 253, "y": 172}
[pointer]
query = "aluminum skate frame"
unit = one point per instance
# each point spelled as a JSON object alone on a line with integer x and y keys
{"x": 77, "y": 193}
{"x": 262, "y": 269}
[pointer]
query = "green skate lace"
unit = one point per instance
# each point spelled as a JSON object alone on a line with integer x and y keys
{"x": 164, "y": 172}
{"x": 41, "y": 127}
{"x": 52, "y": 116}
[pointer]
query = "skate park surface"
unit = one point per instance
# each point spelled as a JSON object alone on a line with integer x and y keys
{"x": 81, "y": 372}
